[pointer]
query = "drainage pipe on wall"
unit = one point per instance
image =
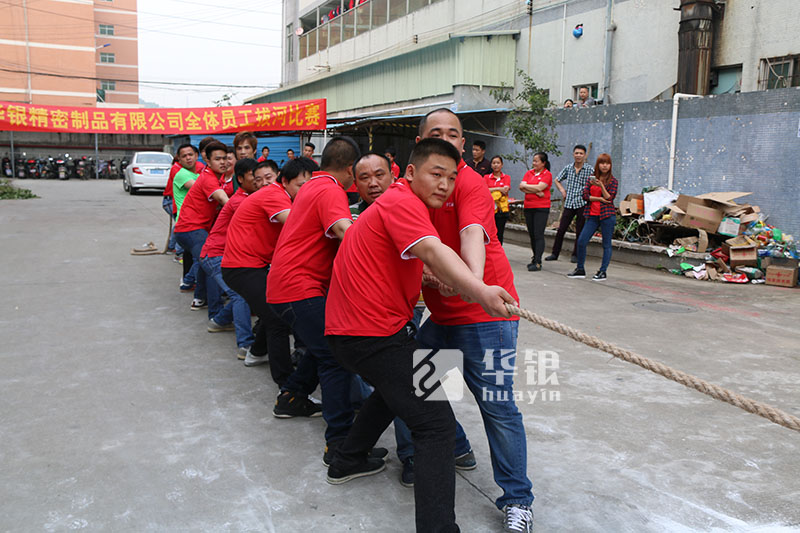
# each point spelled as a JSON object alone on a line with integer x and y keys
{"x": 611, "y": 27}
{"x": 674, "y": 134}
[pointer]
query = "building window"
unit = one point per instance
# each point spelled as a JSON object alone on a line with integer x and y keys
{"x": 107, "y": 85}
{"x": 106, "y": 57}
{"x": 592, "y": 90}
{"x": 106, "y": 29}
{"x": 779, "y": 72}
{"x": 290, "y": 43}
{"x": 397, "y": 9}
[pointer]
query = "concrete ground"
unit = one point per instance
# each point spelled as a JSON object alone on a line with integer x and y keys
{"x": 119, "y": 412}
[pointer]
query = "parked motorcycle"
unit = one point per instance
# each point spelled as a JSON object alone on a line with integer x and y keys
{"x": 7, "y": 171}
{"x": 61, "y": 168}
{"x": 20, "y": 167}
{"x": 32, "y": 169}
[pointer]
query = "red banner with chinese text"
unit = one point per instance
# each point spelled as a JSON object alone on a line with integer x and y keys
{"x": 306, "y": 115}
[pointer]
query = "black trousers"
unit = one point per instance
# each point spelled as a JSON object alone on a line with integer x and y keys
{"x": 536, "y": 220}
{"x": 251, "y": 283}
{"x": 387, "y": 364}
{"x": 500, "y": 219}
{"x": 566, "y": 219}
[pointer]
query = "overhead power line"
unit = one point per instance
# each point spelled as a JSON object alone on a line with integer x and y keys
{"x": 94, "y": 78}
{"x": 202, "y": 37}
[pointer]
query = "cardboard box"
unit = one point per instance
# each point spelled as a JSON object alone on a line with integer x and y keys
{"x": 782, "y": 276}
{"x": 633, "y": 204}
{"x": 703, "y": 217}
{"x": 743, "y": 256}
{"x": 730, "y": 227}
{"x": 706, "y": 211}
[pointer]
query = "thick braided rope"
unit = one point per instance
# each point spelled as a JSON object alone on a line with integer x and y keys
{"x": 757, "y": 408}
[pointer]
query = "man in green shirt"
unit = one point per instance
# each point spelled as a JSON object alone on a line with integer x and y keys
{"x": 186, "y": 176}
{"x": 183, "y": 180}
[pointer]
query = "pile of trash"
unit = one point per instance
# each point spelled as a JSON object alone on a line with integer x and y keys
{"x": 736, "y": 242}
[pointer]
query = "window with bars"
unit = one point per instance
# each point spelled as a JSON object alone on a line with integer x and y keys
{"x": 779, "y": 72}
{"x": 108, "y": 57}
{"x": 337, "y": 21}
{"x": 106, "y": 29}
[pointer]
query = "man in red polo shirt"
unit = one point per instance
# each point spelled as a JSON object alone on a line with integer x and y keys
{"x": 300, "y": 274}
{"x": 466, "y": 224}
{"x": 236, "y": 314}
{"x": 375, "y": 336}
{"x": 252, "y": 236}
{"x": 390, "y": 154}
{"x": 199, "y": 210}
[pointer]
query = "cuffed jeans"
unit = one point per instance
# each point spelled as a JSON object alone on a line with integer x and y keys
{"x": 237, "y": 310}
{"x": 607, "y": 229}
{"x": 482, "y": 343}
{"x": 563, "y": 224}
{"x": 387, "y": 363}
{"x": 307, "y": 320}
{"x": 192, "y": 242}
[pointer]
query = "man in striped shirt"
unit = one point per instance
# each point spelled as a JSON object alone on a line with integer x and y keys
{"x": 575, "y": 175}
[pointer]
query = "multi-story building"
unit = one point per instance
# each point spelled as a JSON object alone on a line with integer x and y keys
{"x": 384, "y": 58}
{"x": 70, "y": 52}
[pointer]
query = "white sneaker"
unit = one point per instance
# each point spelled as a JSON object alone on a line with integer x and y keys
{"x": 255, "y": 360}
{"x": 517, "y": 519}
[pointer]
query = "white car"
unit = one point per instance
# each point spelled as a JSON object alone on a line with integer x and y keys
{"x": 147, "y": 170}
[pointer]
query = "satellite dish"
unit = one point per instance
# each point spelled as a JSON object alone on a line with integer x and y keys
{"x": 299, "y": 31}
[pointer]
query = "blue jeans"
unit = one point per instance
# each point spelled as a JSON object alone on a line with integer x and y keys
{"x": 192, "y": 242}
{"x": 501, "y": 418}
{"x": 307, "y": 320}
{"x": 237, "y": 310}
{"x": 606, "y": 228}
{"x": 166, "y": 203}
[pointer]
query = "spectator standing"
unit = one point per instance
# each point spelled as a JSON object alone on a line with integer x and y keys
{"x": 536, "y": 185}
{"x": 575, "y": 174}
{"x": 391, "y": 154}
{"x": 308, "y": 150}
{"x": 584, "y": 99}
{"x": 264, "y": 154}
{"x": 568, "y": 103}
{"x": 478, "y": 163}
{"x": 499, "y": 185}
{"x": 599, "y": 192}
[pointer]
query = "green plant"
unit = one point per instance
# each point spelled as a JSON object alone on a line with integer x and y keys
{"x": 9, "y": 192}
{"x": 530, "y": 123}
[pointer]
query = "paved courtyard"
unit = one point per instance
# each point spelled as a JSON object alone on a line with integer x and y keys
{"x": 119, "y": 412}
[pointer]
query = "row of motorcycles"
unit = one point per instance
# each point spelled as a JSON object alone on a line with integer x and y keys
{"x": 62, "y": 168}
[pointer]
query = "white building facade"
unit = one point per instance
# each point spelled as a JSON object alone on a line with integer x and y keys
{"x": 403, "y": 57}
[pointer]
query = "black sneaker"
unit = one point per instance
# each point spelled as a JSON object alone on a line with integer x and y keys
{"x": 534, "y": 267}
{"x": 407, "y": 476}
{"x": 330, "y": 448}
{"x": 370, "y": 466}
{"x": 600, "y": 276}
{"x": 578, "y": 273}
{"x": 290, "y": 405}
{"x": 551, "y": 257}
{"x": 466, "y": 461}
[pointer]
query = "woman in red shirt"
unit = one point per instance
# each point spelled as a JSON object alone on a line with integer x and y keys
{"x": 536, "y": 185}
{"x": 599, "y": 193}
{"x": 499, "y": 184}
